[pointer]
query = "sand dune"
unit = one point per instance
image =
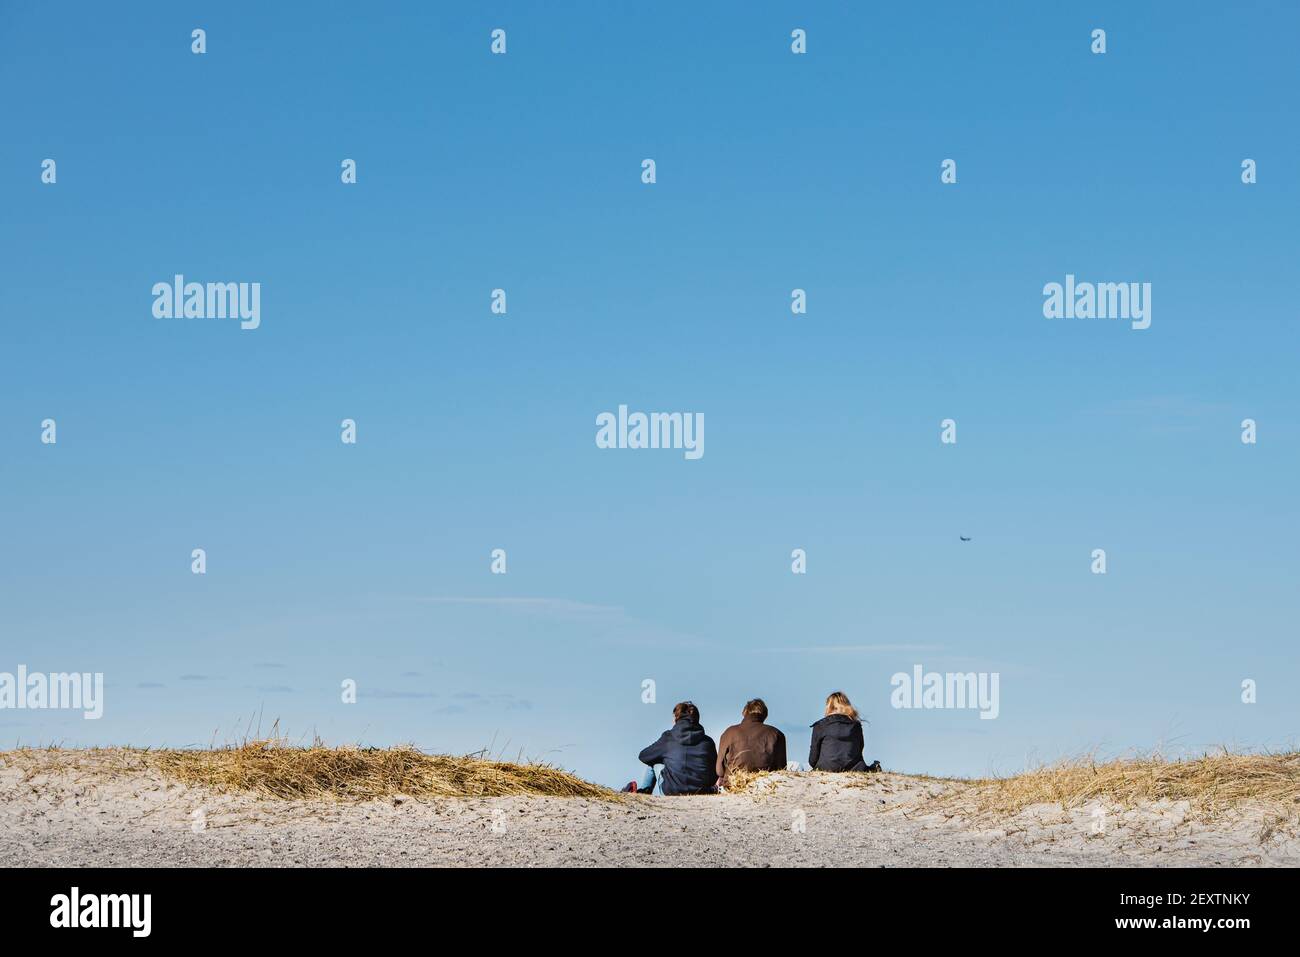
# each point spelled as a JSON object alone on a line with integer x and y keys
{"x": 92, "y": 811}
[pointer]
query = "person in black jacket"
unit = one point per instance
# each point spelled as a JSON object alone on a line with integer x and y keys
{"x": 688, "y": 755}
{"x": 837, "y": 738}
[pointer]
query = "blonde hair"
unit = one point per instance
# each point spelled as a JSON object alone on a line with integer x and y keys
{"x": 837, "y": 702}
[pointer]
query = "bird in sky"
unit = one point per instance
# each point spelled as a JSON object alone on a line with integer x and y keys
{"x": 963, "y": 538}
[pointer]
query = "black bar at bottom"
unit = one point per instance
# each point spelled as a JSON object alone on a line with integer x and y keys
{"x": 618, "y": 908}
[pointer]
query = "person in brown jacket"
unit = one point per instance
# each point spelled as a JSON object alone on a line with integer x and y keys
{"x": 750, "y": 745}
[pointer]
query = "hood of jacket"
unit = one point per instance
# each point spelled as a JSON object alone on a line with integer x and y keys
{"x": 687, "y": 732}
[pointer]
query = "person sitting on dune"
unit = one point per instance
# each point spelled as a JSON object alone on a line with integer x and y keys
{"x": 837, "y": 738}
{"x": 750, "y": 745}
{"x": 687, "y": 754}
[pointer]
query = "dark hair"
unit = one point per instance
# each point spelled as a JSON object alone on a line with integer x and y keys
{"x": 686, "y": 709}
{"x": 755, "y": 707}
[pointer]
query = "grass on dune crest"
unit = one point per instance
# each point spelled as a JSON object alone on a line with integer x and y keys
{"x": 275, "y": 769}
{"x": 741, "y": 781}
{"x": 1211, "y": 784}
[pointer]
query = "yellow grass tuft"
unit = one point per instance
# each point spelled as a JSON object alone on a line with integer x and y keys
{"x": 739, "y": 781}
{"x": 278, "y": 770}
{"x": 1211, "y": 784}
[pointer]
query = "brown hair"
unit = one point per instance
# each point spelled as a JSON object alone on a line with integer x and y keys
{"x": 755, "y": 707}
{"x": 686, "y": 709}
{"x": 837, "y": 702}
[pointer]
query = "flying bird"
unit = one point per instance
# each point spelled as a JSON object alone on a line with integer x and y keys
{"x": 963, "y": 538}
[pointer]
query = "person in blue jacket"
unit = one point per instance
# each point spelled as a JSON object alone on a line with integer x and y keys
{"x": 688, "y": 756}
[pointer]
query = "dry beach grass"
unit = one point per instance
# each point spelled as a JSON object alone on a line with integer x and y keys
{"x": 365, "y": 773}
{"x": 278, "y": 770}
{"x": 1212, "y": 784}
{"x": 270, "y": 803}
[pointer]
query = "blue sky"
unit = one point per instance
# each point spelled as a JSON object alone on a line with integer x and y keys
{"x": 475, "y": 431}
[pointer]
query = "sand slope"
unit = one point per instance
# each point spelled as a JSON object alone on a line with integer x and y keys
{"x": 76, "y": 816}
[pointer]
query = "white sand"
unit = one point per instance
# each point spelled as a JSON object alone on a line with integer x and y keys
{"x": 78, "y": 817}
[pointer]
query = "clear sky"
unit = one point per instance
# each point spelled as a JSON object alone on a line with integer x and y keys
{"x": 476, "y": 431}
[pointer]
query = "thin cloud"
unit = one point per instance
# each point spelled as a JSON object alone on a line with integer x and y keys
{"x": 556, "y": 606}
{"x": 851, "y": 649}
{"x": 1165, "y": 405}
{"x": 1169, "y": 414}
{"x": 620, "y": 627}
